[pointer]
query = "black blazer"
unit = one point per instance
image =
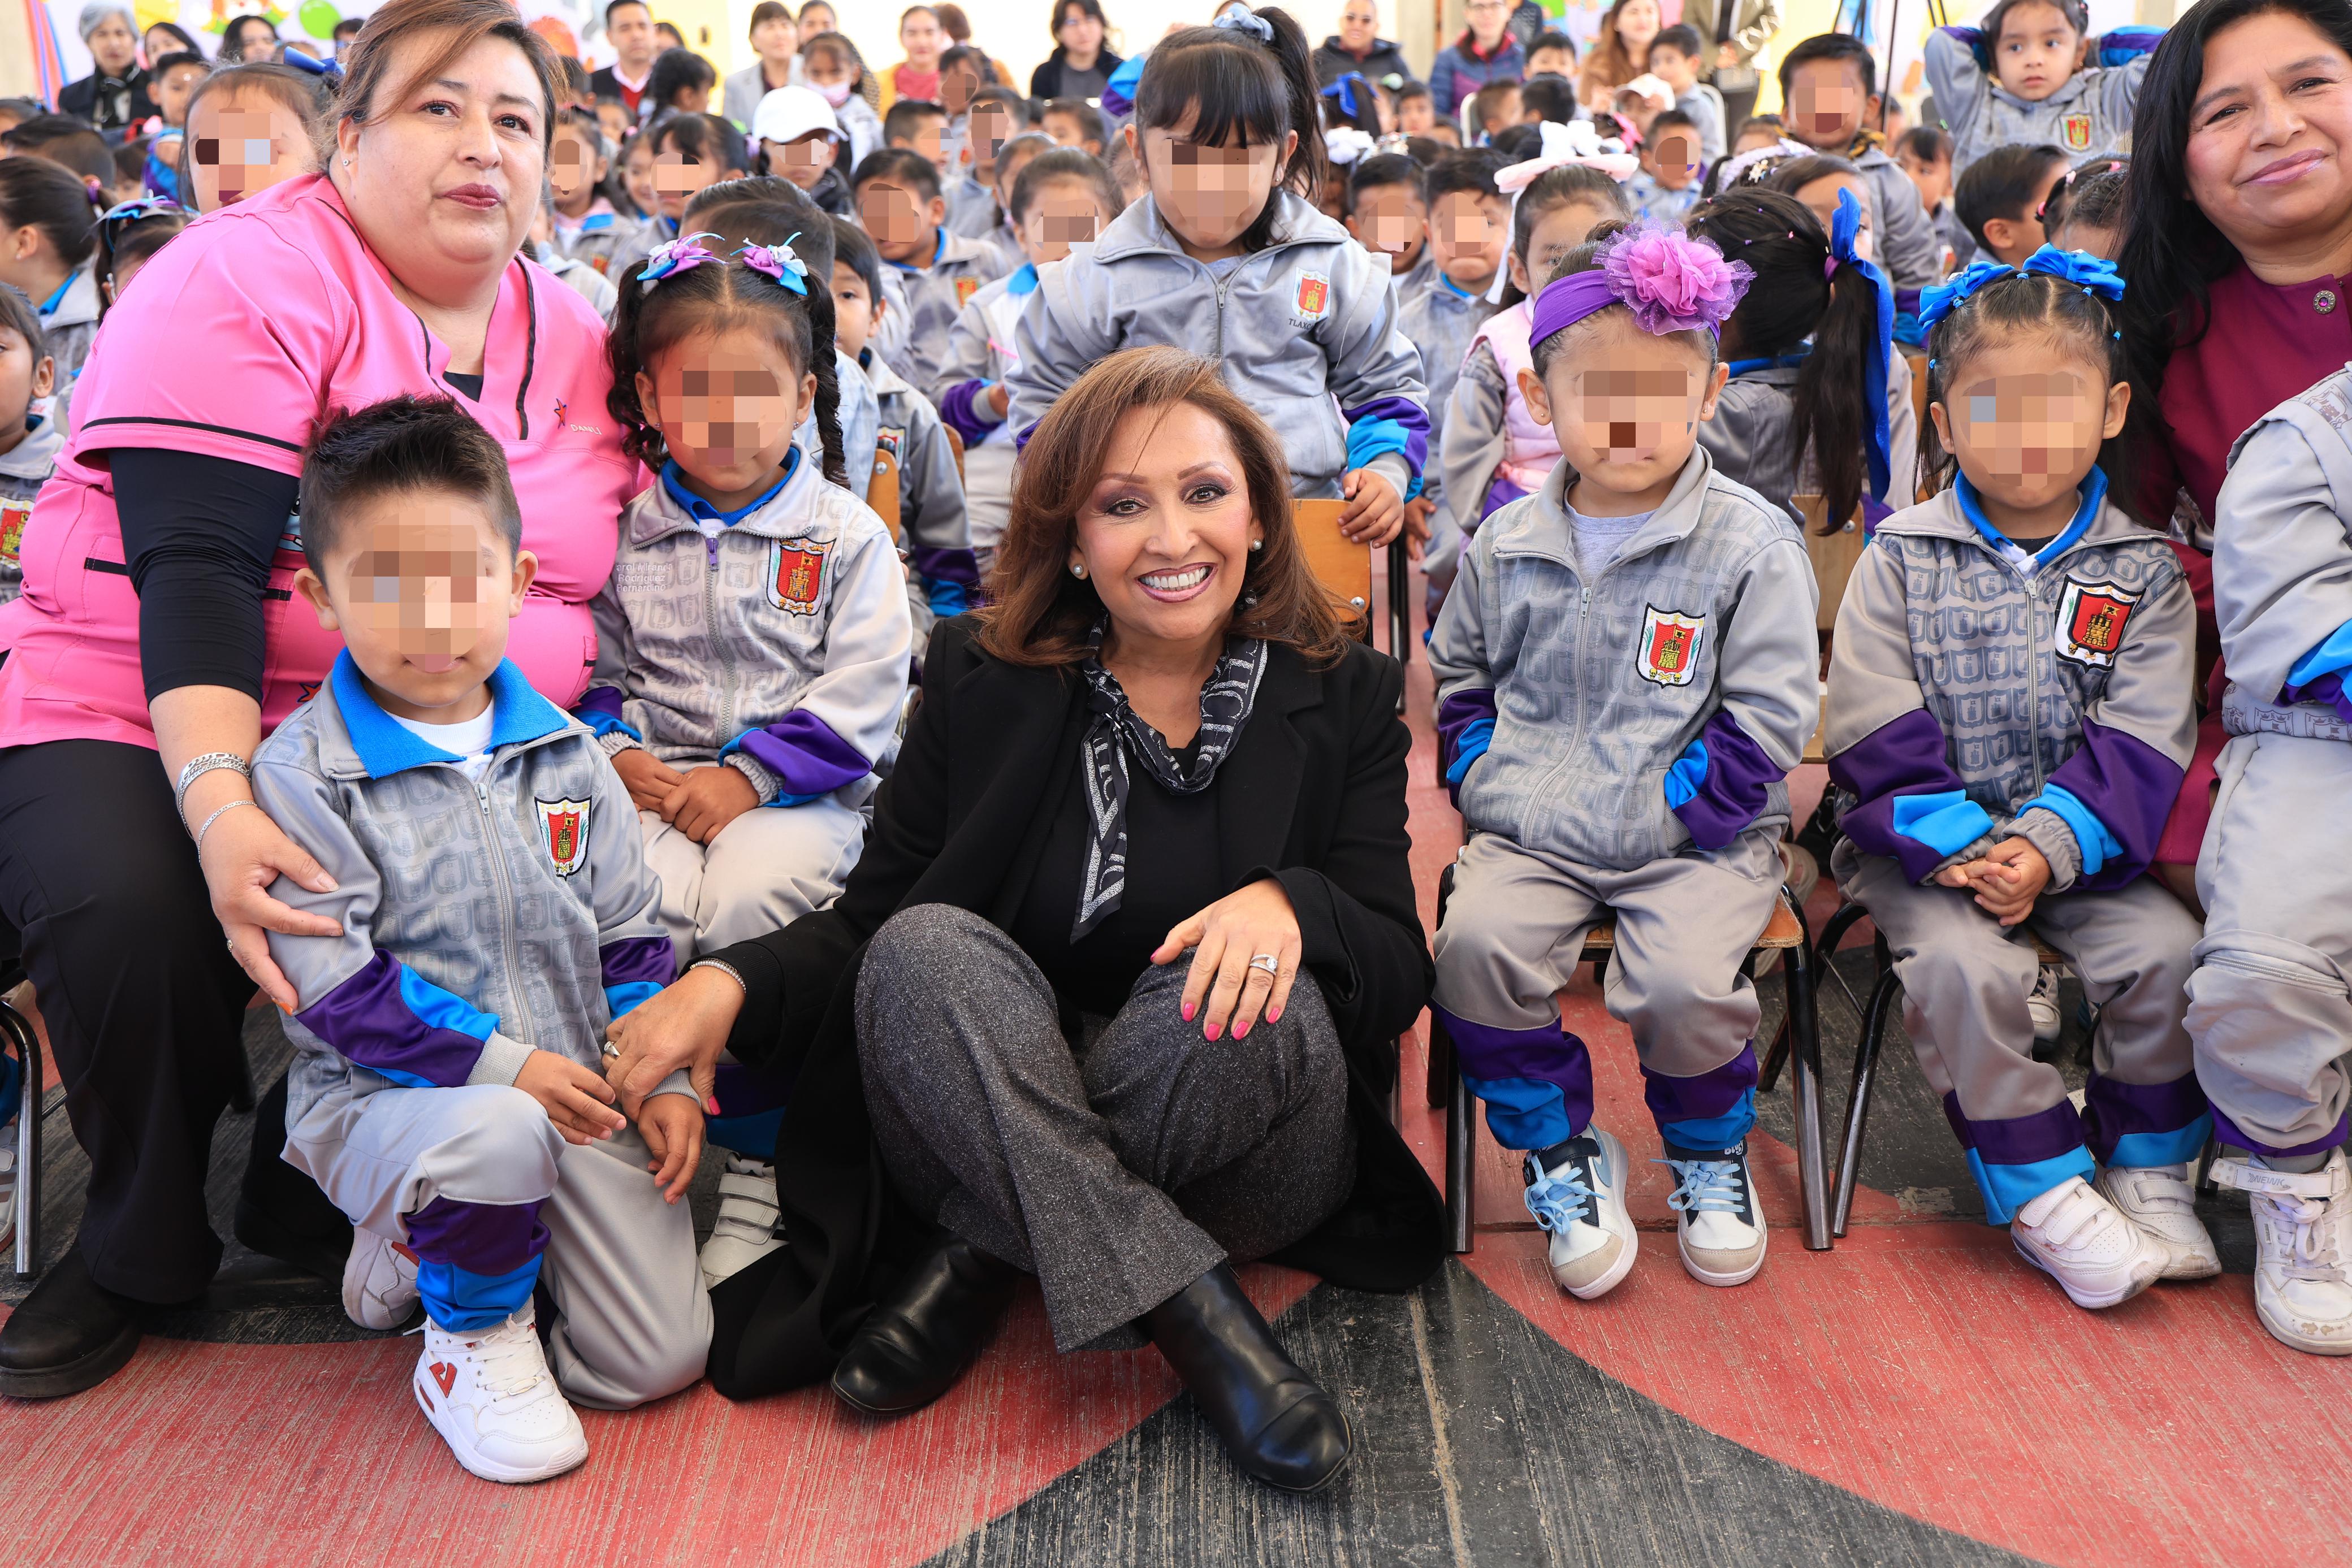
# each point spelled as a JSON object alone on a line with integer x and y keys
{"x": 1314, "y": 794}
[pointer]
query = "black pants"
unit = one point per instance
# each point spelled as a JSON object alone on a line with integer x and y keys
{"x": 143, "y": 1003}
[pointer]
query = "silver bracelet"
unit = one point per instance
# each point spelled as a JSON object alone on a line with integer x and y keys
{"x": 723, "y": 967}
{"x": 199, "y": 766}
{"x": 217, "y": 813}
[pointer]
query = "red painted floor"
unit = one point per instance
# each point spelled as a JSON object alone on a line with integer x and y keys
{"x": 1919, "y": 1365}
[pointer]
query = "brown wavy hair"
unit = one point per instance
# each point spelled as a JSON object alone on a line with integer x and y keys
{"x": 1040, "y": 616}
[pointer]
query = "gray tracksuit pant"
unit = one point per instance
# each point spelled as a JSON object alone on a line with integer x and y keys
{"x": 634, "y": 1319}
{"x": 1965, "y": 982}
{"x": 1118, "y": 1171}
{"x": 761, "y": 872}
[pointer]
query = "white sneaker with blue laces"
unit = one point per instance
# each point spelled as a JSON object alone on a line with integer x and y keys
{"x": 1579, "y": 1198}
{"x": 1717, "y": 1227}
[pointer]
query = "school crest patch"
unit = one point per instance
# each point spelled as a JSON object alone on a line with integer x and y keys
{"x": 2091, "y": 620}
{"x": 1668, "y": 651}
{"x": 891, "y": 439}
{"x": 13, "y": 515}
{"x": 2075, "y": 132}
{"x": 1313, "y": 301}
{"x": 797, "y": 575}
{"x": 965, "y": 288}
{"x": 567, "y": 832}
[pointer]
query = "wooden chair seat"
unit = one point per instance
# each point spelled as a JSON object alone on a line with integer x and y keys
{"x": 1780, "y": 931}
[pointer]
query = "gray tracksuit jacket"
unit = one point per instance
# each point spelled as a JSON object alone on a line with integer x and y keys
{"x": 1753, "y": 436}
{"x": 1908, "y": 247}
{"x": 942, "y": 578}
{"x": 480, "y": 921}
{"x": 2089, "y": 116}
{"x": 24, "y": 469}
{"x": 1594, "y": 689}
{"x": 2282, "y": 569}
{"x": 936, "y": 296}
{"x": 1963, "y": 691}
{"x": 1440, "y": 320}
{"x": 602, "y": 234}
{"x": 778, "y": 643}
{"x": 1306, "y": 329}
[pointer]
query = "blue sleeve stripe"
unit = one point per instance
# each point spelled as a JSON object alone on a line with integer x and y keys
{"x": 1947, "y": 822}
{"x": 438, "y": 1008}
{"x": 2098, "y": 845}
{"x": 2332, "y": 656}
{"x": 628, "y": 993}
{"x": 1476, "y": 736}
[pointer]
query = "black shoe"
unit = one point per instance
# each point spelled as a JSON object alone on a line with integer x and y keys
{"x": 912, "y": 1348}
{"x": 1277, "y": 1425}
{"x": 280, "y": 1212}
{"x": 71, "y": 1333}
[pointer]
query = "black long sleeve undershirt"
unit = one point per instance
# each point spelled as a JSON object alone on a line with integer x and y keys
{"x": 198, "y": 533}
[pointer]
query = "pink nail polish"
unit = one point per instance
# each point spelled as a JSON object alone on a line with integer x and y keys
{"x": 1188, "y": 1012}
{"x": 1211, "y": 1031}
{"x": 1240, "y": 1030}
{"x": 1273, "y": 1015}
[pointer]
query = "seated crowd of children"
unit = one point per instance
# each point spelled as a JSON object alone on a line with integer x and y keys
{"x": 1596, "y": 358}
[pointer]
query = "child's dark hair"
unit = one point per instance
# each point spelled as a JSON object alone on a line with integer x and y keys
{"x": 2002, "y": 183}
{"x": 1006, "y": 98}
{"x": 304, "y": 96}
{"x": 1674, "y": 120}
{"x": 852, "y": 248}
{"x": 1089, "y": 119}
{"x": 1549, "y": 96}
{"x": 1587, "y": 257}
{"x": 65, "y": 142}
{"x": 38, "y": 194}
{"x": 2077, "y": 17}
{"x": 1490, "y": 101}
{"x": 1516, "y": 143}
{"x": 1242, "y": 91}
{"x": 1682, "y": 37}
{"x": 674, "y": 71}
{"x": 1549, "y": 39}
{"x": 402, "y": 446}
{"x": 1771, "y": 123}
{"x": 1071, "y": 165}
{"x": 905, "y": 121}
{"x": 1473, "y": 171}
{"x": 956, "y": 55}
{"x": 1385, "y": 169}
{"x": 1425, "y": 150}
{"x": 1365, "y": 117}
{"x": 122, "y": 240}
{"x": 1831, "y": 46}
{"x": 1798, "y": 294}
{"x": 2089, "y": 197}
{"x": 19, "y": 315}
{"x": 704, "y": 137}
{"x": 1552, "y": 189}
{"x": 2074, "y": 323}
{"x": 902, "y": 166}
{"x": 131, "y": 160}
{"x": 1791, "y": 176}
{"x": 1927, "y": 143}
{"x": 1409, "y": 93}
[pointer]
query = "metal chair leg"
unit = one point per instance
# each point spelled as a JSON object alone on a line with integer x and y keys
{"x": 20, "y": 1034}
{"x": 1441, "y": 1063}
{"x": 1805, "y": 1085}
{"x": 1461, "y": 1159}
{"x": 1857, "y": 1100}
{"x": 1399, "y": 604}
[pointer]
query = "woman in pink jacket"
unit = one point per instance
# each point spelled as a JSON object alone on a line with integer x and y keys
{"x": 157, "y": 642}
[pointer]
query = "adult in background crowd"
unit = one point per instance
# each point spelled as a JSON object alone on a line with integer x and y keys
{"x": 777, "y": 42}
{"x": 1484, "y": 52}
{"x": 158, "y": 618}
{"x": 163, "y": 39}
{"x": 1732, "y": 34}
{"x": 248, "y": 37}
{"x": 957, "y": 25}
{"x": 1082, "y": 61}
{"x": 1112, "y": 998}
{"x": 1357, "y": 47}
{"x": 115, "y": 95}
{"x": 629, "y": 29}
{"x": 916, "y": 76}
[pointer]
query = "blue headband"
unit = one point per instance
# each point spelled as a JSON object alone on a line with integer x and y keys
{"x": 1845, "y": 229}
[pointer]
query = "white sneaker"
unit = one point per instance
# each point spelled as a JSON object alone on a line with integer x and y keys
{"x": 379, "y": 1281}
{"x": 2159, "y": 1200}
{"x": 2082, "y": 1241}
{"x": 490, "y": 1394}
{"x": 2303, "y": 1240}
{"x": 1581, "y": 1202}
{"x": 2042, "y": 1003}
{"x": 1717, "y": 1227}
{"x": 746, "y": 1229}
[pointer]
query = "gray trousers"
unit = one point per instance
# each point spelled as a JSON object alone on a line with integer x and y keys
{"x": 634, "y": 1321}
{"x": 2269, "y": 1005}
{"x": 1966, "y": 978}
{"x": 1118, "y": 1170}
{"x": 763, "y": 870}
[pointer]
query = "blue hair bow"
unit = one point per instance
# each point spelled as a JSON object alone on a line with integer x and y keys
{"x": 1845, "y": 231}
{"x": 1344, "y": 89}
{"x": 1940, "y": 301}
{"x": 2080, "y": 267}
{"x": 301, "y": 60}
{"x": 1242, "y": 19}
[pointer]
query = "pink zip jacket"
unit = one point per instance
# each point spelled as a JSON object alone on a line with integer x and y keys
{"x": 245, "y": 332}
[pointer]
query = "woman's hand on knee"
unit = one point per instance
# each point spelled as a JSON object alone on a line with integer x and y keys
{"x": 242, "y": 852}
{"x": 685, "y": 1024}
{"x": 1226, "y": 939}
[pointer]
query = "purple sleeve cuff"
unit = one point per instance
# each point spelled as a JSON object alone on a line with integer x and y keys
{"x": 605, "y": 700}
{"x": 1902, "y": 757}
{"x": 1736, "y": 788}
{"x": 2129, "y": 786}
{"x": 956, "y": 565}
{"x": 2328, "y": 688}
{"x": 649, "y": 959}
{"x": 1455, "y": 715}
{"x": 1411, "y": 418}
{"x": 957, "y": 410}
{"x": 391, "y": 1020}
{"x": 803, "y": 750}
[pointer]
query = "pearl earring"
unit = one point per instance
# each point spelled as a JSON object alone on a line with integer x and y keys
{"x": 1078, "y": 569}
{"x": 1256, "y": 545}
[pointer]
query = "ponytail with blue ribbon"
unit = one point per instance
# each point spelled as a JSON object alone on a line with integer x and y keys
{"x": 1344, "y": 90}
{"x": 2091, "y": 274}
{"x": 1846, "y": 230}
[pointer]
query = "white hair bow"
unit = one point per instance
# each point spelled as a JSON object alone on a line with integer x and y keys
{"x": 1346, "y": 145}
{"x": 1563, "y": 146}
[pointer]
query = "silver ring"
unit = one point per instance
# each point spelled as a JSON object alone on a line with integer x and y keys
{"x": 609, "y": 1048}
{"x": 1265, "y": 961}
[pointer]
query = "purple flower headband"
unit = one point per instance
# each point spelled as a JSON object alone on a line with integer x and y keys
{"x": 687, "y": 251}
{"x": 1671, "y": 282}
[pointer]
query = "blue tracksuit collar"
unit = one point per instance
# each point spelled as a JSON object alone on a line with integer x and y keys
{"x": 1456, "y": 291}
{"x": 1024, "y": 279}
{"x": 384, "y": 747}
{"x": 938, "y": 249}
{"x": 695, "y": 507}
{"x": 2094, "y": 493}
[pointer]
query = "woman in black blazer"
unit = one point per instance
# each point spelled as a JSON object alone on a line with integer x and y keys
{"x": 1004, "y": 1053}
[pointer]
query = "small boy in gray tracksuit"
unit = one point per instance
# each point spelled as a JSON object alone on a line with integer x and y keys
{"x": 2088, "y": 115}
{"x": 495, "y": 914}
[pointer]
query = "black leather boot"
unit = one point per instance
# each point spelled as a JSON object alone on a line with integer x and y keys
{"x": 912, "y": 1348}
{"x": 1277, "y": 1425}
{"x": 71, "y": 1333}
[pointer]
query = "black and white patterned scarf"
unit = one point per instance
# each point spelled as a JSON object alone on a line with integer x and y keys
{"x": 1118, "y": 732}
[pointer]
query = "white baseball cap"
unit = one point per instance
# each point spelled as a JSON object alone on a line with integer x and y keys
{"x": 790, "y": 113}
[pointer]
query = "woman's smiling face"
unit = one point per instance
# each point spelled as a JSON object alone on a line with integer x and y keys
{"x": 2269, "y": 132}
{"x": 1164, "y": 536}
